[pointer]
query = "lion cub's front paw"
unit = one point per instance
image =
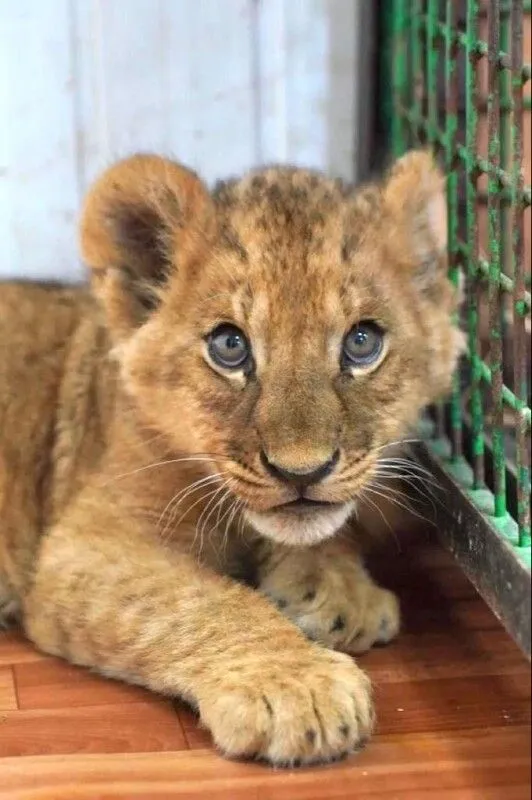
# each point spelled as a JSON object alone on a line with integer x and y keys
{"x": 293, "y": 708}
{"x": 333, "y": 600}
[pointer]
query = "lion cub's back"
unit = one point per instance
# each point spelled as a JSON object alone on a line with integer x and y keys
{"x": 36, "y": 324}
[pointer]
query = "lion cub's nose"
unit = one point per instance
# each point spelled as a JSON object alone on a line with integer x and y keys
{"x": 301, "y": 478}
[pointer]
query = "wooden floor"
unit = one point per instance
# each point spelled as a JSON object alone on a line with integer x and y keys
{"x": 453, "y": 699}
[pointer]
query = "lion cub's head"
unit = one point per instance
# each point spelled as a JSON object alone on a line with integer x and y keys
{"x": 285, "y": 326}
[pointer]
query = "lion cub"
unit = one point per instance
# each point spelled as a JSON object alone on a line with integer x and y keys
{"x": 181, "y": 449}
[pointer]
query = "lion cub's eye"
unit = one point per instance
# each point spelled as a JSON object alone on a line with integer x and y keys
{"x": 228, "y": 347}
{"x": 363, "y": 344}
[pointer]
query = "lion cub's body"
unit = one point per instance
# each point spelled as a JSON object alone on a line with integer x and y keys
{"x": 155, "y": 499}
{"x": 51, "y": 419}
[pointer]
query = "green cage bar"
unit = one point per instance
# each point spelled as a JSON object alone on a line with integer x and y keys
{"x": 456, "y": 75}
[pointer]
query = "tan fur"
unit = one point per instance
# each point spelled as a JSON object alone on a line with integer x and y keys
{"x": 140, "y": 533}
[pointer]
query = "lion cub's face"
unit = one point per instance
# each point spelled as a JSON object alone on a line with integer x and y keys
{"x": 284, "y": 327}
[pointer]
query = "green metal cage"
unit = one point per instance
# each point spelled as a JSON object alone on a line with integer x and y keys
{"x": 455, "y": 79}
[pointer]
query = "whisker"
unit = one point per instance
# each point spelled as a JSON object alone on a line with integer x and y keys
{"x": 225, "y": 538}
{"x": 178, "y": 498}
{"x": 173, "y": 526}
{"x": 406, "y": 508}
{"x": 221, "y": 517}
{"x": 395, "y": 473}
{"x": 233, "y": 508}
{"x": 205, "y": 511}
{"x": 196, "y": 503}
{"x": 416, "y": 485}
{"x": 362, "y": 495}
{"x": 159, "y": 464}
{"x": 406, "y": 460}
{"x": 398, "y": 442}
{"x": 396, "y": 491}
{"x": 414, "y": 465}
{"x": 185, "y": 489}
{"x": 242, "y": 522}
{"x": 219, "y": 505}
{"x": 420, "y": 484}
{"x": 412, "y": 468}
{"x": 376, "y": 506}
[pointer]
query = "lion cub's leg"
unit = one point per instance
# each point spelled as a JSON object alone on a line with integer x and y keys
{"x": 109, "y": 596}
{"x": 328, "y": 593}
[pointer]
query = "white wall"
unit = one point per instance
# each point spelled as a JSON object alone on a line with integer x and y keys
{"x": 221, "y": 85}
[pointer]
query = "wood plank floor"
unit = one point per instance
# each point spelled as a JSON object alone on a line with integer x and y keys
{"x": 453, "y": 700}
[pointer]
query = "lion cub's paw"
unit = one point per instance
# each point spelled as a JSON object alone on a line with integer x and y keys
{"x": 334, "y": 602}
{"x": 309, "y": 707}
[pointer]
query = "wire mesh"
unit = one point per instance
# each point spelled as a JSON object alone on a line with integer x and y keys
{"x": 459, "y": 84}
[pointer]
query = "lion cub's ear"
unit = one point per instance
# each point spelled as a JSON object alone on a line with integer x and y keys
{"x": 416, "y": 213}
{"x": 143, "y": 218}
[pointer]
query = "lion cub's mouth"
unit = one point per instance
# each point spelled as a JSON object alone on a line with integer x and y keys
{"x": 302, "y": 521}
{"x": 304, "y": 505}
